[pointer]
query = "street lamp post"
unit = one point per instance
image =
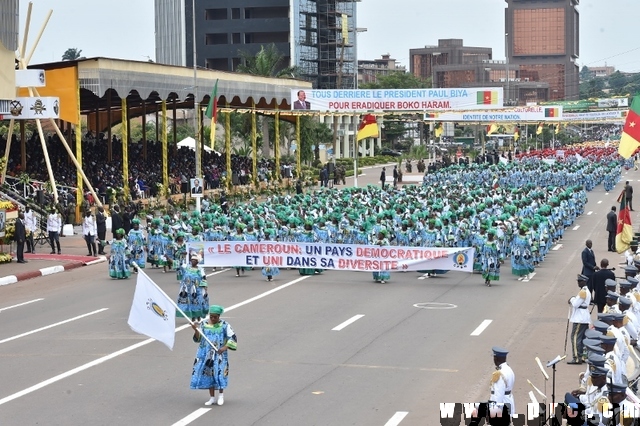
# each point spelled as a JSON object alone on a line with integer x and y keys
{"x": 196, "y": 105}
{"x": 358, "y": 30}
{"x": 506, "y": 61}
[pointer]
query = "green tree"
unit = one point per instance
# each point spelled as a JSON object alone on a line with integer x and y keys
{"x": 617, "y": 81}
{"x": 586, "y": 74}
{"x": 71, "y": 54}
{"x": 268, "y": 62}
{"x": 313, "y": 133}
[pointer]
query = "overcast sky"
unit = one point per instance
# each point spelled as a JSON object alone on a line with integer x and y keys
{"x": 125, "y": 28}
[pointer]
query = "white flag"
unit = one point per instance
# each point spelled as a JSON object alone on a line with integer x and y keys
{"x": 152, "y": 312}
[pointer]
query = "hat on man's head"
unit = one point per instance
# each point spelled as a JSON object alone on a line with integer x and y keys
{"x": 597, "y": 371}
{"x": 626, "y": 284}
{"x": 600, "y": 326}
{"x": 596, "y": 359}
{"x": 620, "y": 387}
{"x": 608, "y": 340}
{"x": 610, "y": 283}
{"x": 612, "y": 295}
{"x": 634, "y": 281}
{"x": 605, "y": 317}
{"x": 582, "y": 278}
{"x": 624, "y": 302}
{"x": 499, "y": 352}
{"x": 595, "y": 349}
{"x": 630, "y": 270}
{"x": 592, "y": 342}
{"x": 592, "y": 334}
{"x": 615, "y": 316}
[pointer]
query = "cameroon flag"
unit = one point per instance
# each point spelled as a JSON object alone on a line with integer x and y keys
{"x": 540, "y": 128}
{"x": 368, "y": 128}
{"x": 551, "y": 112}
{"x": 630, "y": 140}
{"x": 516, "y": 134}
{"x": 492, "y": 128}
{"x": 624, "y": 233}
{"x": 487, "y": 97}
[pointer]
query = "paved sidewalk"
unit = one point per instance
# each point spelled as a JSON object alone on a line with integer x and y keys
{"x": 74, "y": 255}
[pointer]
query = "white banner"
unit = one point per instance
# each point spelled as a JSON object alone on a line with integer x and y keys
{"x": 152, "y": 312}
{"x": 30, "y": 78}
{"x": 618, "y": 115}
{"x": 396, "y": 99}
{"x": 342, "y": 257}
{"x": 613, "y": 103}
{"x": 529, "y": 113}
{"x": 32, "y": 108}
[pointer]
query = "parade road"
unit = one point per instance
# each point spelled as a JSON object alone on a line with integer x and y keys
{"x": 331, "y": 349}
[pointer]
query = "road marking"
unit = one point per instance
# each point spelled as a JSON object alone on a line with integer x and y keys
{"x": 530, "y": 276}
{"x": 589, "y": 213}
{"x": 481, "y": 327}
{"x": 396, "y": 418}
{"x": 557, "y": 247}
{"x": 128, "y": 349}
{"x": 8, "y": 339}
{"x": 217, "y": 272}
{"x": 191, "y": 417}
{"x": 575, "y": 228}
{"x": 20, "y": 304}
{"x": 347, "y": 322}
{"x": 600, "y": 202}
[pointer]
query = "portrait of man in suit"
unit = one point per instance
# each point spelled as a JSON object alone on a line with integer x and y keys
{"x": 196, "y": 187}
{"x": 301, "y": 102}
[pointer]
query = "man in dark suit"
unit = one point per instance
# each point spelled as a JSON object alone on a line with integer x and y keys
{"x": 628, "y": 193}
{"x": 301, "y": 103}
{"x": 612, "y": 228}
{"x": 20, "y": 236}
{"x": 116, "y": 220}
{"x": 598, "y": 284}
{"x": 196, "y": 188}
{"x": 589, "y": 266}
{"x": 101, "y": 227}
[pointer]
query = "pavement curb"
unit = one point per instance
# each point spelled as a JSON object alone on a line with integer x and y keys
{"x": 50, "y": 270}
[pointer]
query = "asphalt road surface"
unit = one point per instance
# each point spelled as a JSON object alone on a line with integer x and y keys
{"x": 334, "y": 349}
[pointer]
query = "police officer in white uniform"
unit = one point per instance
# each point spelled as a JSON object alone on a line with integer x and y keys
{"x": 580, "y": 320}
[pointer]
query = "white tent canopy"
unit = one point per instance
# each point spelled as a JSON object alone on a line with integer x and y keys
{"x": 190, "y": 143}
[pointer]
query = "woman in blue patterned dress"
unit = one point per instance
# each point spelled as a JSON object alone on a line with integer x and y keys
{"x": 137, "y": 243}
{"x": 491, "y": 257}
{"x": 382, "y": 241}
{"x": 192, "y": 296}
{"x": 521, "y": 255}
{"x": 118, "y": 264}
{"x": 239, "y": 236}
{"x": 211, "y": 366}
{"x": 270, "y": 271}
{"x": 179, "y": 255}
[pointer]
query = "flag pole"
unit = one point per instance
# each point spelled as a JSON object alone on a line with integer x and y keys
{"x": 140, "y": 271}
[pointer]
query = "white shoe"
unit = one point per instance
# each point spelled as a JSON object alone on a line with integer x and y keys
{"x": 211, "y": 401}
{"x": 383, "y": 282}
{"x": 221, "y": 400}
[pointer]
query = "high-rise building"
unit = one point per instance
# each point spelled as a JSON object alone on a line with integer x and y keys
{"x": 542, "y": 38}
{"x": 317, "y": 36}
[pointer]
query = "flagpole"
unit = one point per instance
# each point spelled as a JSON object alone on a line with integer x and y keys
{"x": 140, "y": 271}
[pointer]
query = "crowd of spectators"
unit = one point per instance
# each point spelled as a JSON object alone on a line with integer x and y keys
{"x": 144, "y": 173}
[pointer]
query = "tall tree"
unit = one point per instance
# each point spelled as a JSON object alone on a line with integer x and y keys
{"x": 71, "y": 54}
{"x": 268, "y": 62}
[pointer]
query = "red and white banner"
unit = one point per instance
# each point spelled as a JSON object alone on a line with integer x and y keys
{"x": 342, "y": 257}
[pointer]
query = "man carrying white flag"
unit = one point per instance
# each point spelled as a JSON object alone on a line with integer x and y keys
{"x": 153, "y": 313}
